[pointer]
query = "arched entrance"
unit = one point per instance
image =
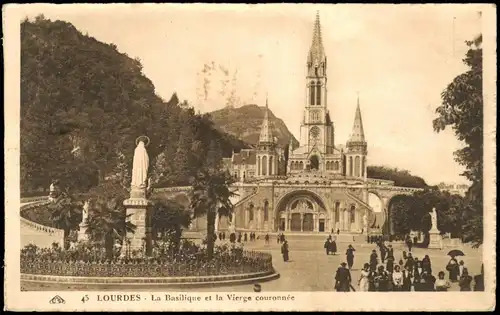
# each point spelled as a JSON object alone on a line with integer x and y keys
{"x": 301, "y": 211}
{"x": 314, "y": 162}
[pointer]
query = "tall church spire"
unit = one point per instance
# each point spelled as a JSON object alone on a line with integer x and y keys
{"x": 265, "y": 131}
{"x": 358, "y": 133}
{"x": 316, "y": 52}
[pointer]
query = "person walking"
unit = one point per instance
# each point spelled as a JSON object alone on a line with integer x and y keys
{"x": 406, "y": 280}
{"x": 465, "y": 281}
{"x": 441, "y": 283}
{"x": 383, "y": 251}
{"x": 390, "y": 264}
{"x": 373, "y": 261}
{"x": 390, "y": 252}
{"x": 364, "y": 278}
{"x": 410, "y": 264}
{"x": 397, "y": 279}
{"x": 333, "y": 246}
{"x": 461, "y": 267}
{"x": 426, "y": 264}
{"x": 285, "y": 250}
{"x": 350, "y": 256}
{"x": 381, "y": 279}
{"x": 342, "y": 279}
{"x": 326, "y": 246}
{"x": 267, "y": 238}
{"x": 453, "y": 269}
{"x": 479, "y": 280}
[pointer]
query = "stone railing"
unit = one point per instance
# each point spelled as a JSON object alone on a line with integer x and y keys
{"x": 42, "y": 228}
{"x": 173, "y": 189}
{"x": 55, "y": 235}
{"x": 34, "y": 199}
{"x": 247, "y": 263}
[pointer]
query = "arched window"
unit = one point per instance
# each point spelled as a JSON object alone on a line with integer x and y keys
{"x": 363, "y": 161}
{"x": 271, "y": 168}
{"x": 353, "y": 214}
{"x": 318, "y": 93}
{"x": 350, "y": 166}
{"x": 258, "y": 166}
{"x": 250, "y": 212}
{"x": 336, "y": 166}
{"x": 312, "y": 87}
{"x": 301, "y": 165}
{"x": 357, "y": 166}
{"x": 266, "y": 210}
{"x": 264, "y": 165}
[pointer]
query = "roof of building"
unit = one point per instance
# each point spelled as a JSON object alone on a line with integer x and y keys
{"x": 245, "y": 156}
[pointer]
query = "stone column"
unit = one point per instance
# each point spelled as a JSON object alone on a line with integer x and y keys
{"x": 301, "y": 222}
{"x": 245, "y": 225}
{"x": 316, "y": 223}
{"x": 286, "y": 221}
{"x": 341, "y": 219}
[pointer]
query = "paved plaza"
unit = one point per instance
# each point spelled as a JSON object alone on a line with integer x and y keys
{"x": 310, "y": 269}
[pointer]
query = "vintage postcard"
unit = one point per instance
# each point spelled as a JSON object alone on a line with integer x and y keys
{"x": 232, "y": 157}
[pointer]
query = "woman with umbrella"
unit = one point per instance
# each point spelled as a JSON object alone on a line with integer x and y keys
{"x": 453, "y": 267}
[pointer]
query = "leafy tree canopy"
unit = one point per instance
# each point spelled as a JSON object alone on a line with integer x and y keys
{"x": 83, "y": 104}
{"x": 401, "y": 178}
{"x": 462, "y": 110}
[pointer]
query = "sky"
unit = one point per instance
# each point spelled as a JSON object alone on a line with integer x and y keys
{"x": 399, "y": 58}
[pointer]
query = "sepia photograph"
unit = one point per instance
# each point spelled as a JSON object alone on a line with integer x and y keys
{"x": 250, "y": 151}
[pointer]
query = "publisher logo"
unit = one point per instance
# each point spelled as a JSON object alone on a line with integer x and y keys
{"x": 57, "y": 300}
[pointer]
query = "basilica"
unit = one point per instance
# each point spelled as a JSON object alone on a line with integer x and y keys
{"x": 321, "y": 187}
{"x": 315, "y": 168}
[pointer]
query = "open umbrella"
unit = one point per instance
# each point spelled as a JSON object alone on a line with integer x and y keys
{"x": 455, "y": 253}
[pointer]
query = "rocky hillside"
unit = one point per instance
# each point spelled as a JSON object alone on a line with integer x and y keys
{"x": 245, "y": 122}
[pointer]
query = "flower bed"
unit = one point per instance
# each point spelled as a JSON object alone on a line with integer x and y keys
{"x": 227, "y": 260}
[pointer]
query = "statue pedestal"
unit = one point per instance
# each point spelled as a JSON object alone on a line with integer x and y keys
{"x": 82, "y": 233}
{"x": 139, "y": 215}
{"x": 435, "y": 239}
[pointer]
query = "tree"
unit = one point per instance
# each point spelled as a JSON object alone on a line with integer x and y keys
{"x": 210, "y": 195}
{"x": 66, "y": 213}
{"x": 401, "y": 217}
{"x": 107, "y": 222}
{"x": 462, "y": 110}
{"x": 169, "y": 218}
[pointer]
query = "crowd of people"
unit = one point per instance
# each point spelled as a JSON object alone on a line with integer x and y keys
{"x": 383, "y": 274}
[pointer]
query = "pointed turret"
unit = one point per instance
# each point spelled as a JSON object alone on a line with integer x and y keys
{"x": 358, "y": 134}
{"x": 265, "y": 131}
